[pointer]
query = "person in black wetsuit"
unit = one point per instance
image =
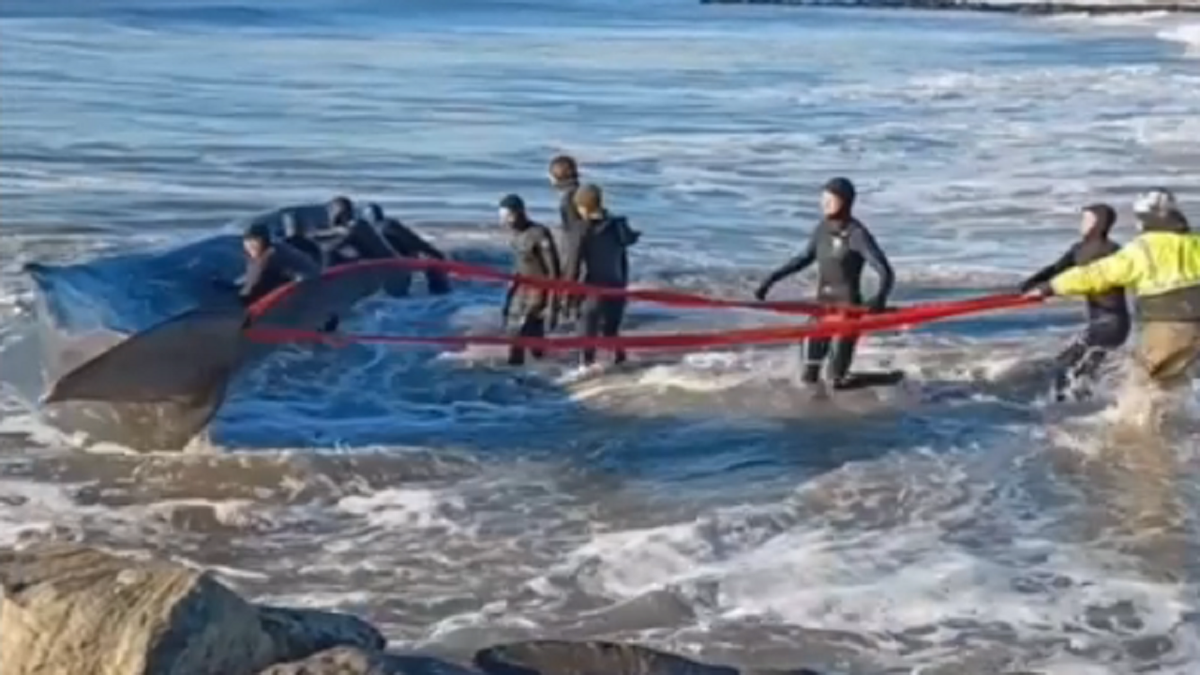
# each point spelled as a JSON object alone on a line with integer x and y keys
{"x": 600, "y": 258}
{"x": 840, "y": 246}
{"x": 564, "y": 177}
{"x": 528, "y": 311}
{"x": 349, "y": 238}
{"x": 271, "y": 264}
{"x": 295, "y": 234}
{"x": 409, "y": 244}
{"x": 1108, "y": 314}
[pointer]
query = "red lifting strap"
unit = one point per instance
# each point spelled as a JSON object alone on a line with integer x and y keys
{"x": 464, "y": 270}
{"x": 835, "y": 321}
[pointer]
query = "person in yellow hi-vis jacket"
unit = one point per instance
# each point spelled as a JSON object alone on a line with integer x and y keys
{"x": 1161, "y": 266}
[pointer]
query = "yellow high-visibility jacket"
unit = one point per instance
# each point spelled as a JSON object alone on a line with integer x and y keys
{"x": 1161, "y": 268}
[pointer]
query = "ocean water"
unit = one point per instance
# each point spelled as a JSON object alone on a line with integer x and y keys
{"x": 956, "y": 524}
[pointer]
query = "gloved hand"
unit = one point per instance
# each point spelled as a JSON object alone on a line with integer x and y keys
{"x": 761, "y": 293}
{"x": 1039, "y": 292}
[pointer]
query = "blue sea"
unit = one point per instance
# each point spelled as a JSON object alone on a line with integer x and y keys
{"x": 702, "y": 503}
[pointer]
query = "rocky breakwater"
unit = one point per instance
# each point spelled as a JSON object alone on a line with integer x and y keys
{"x": 1090, "y": 8}
{"x": 72, "y": 610}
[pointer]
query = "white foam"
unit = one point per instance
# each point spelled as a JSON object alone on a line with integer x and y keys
{"x": 36, "y": 510}
{"x": 1188, "y": 34}
{"x": 718, "y": 132}
{"x": 408, "y": 508}
{"x": 797, "y": 568}
{"x": 26, "y": 423}
{"x": 234, "y": 513}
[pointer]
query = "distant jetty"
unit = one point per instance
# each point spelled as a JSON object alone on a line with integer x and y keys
{"x": 1036, "y": 8}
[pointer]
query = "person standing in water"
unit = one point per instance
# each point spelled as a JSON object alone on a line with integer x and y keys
{"x": 1107, "y": 312}
{"x": 1161, "y": 267}
{"x": 564, "y": 177}
{"x": 529, "y": 311}
{"x": 600, "y": 257}
{"x": 840, "y": 246}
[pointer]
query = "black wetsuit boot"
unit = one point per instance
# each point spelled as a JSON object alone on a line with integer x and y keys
{"x": 813, "y": 353}
{"x": 817, "y": 350}
{"x": 839, "y": 363}
{"x": 532, "y": 325}
{"x": 602, "y": 317}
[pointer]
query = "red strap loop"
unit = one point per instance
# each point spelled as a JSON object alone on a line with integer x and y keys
{"x": 834, "y": 320}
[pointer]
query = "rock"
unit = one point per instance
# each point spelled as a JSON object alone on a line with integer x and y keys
{"x": 298, "y": 633}
{"x": 74, "y": 610}
{"x": 354, "y": 661}
{"x": 71, "y": 609}
{"x": 554, "y": 657}
{"x": 557, "y": 657}
{"x": 66, "y": 608}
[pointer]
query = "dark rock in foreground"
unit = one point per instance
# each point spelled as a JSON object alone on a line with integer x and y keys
{"x": 353, "y": 661}
{"x": 1041, "y": 8}
{"x": 71, "y": 609}
{"x": 556, "y": 657}
{"x": 298, "y": 633}
{"x": 75, "y": 610}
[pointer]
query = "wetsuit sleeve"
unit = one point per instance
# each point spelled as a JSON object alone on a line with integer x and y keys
{"x": 385, "y": 249}
{"x": 1121, "y": 269}
{"x": 340, "y": 236}
{"x": 549, "y": 253}
{"x": 413, "y": 243}
{"x": 629, "y": 236}
{"x": 575, "y": 264}
{"x": 566, "y": 210}
{"x": 429, "y": 249}
{"x": 866, "y": 245}
{"x": 314, "y": 251}
{"x": 797, "y": 264}
{"x": 1066, "y": 262}
{"x": 293, "y": 263}
{"x": 254, "y": 282}
{"x": 569, "y": 250}
{"x": 508, "y": 298}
